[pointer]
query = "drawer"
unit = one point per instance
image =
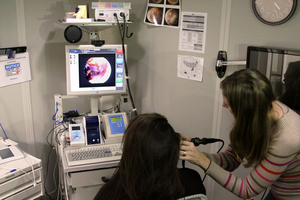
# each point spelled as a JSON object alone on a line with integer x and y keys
{"x": 30, "y": 193}
{"x": 19, "y": 183}
{"x": 89, "y": 178}
{"x": 84, "y": 192}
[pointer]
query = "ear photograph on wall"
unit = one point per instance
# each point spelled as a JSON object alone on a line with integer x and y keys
{"x": 162, "y": 13}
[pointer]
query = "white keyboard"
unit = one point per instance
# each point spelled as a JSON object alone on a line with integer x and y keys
{"x": 94, "y": 154}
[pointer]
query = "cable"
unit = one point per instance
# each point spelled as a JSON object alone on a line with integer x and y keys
{"x": 204, "y": 141}
{"x": 53, "y": 176}
{"x": 3, "y": 131}
{"x": 125, "y": 62}
{"x": 264, "y": 194}
{"x": 47, "y": 165}
{"x": 33, "y": 174}
{"x": 52, "y": 147}
{"x": 53, "y": 117}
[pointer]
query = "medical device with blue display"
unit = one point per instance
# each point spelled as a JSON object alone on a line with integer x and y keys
{"x": 114, "y": 124}
{"x": 76, "y": 135}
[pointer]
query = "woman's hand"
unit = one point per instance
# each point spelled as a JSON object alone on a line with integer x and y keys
{"x": 185, "y": 137}
{"x": 189, "y": 152}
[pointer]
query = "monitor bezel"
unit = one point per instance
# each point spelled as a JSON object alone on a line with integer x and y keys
{"x": 95, "y": 92}
{"x": 292, "y": 52}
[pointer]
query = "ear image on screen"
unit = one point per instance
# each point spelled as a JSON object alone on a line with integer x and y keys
{"x": 97, "y": 70}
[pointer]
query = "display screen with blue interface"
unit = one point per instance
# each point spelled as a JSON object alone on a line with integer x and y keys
{"x": 117, "y": 124}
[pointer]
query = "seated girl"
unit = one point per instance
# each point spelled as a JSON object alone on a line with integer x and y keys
{"x": 148, "y": 167}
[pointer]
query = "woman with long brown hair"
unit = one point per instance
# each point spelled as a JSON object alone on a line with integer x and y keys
{"x": 148, "y": 167}
{"x": 265, "y": 135}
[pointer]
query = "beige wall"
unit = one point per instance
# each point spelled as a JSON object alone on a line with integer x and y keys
{"x": 192, "y": 107}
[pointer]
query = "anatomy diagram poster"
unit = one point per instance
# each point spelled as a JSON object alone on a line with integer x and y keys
{"x": 14, "y": 70}
{"x": 190, "y": 67}
{"x": 163, "y": 13}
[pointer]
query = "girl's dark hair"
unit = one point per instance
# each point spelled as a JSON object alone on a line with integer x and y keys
{"x": 148, "y": 167}
{"x": 250, "y": 96}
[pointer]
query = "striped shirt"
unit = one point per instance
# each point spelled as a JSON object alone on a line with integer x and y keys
{"x": 280, "y": 170}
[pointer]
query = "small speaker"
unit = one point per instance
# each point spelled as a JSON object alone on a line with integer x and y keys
{"x": 73, "y": 34}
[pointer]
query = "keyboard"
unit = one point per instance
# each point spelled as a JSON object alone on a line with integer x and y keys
{"x": 94, "y": 154}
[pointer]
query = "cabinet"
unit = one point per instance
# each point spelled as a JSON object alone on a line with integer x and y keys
{"x": 25, "y": 182}
{"x": 84, "y": 181}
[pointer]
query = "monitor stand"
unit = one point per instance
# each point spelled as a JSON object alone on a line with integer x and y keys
{"x": 94, "y": 106}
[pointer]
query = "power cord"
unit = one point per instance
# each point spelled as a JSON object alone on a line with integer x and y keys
{"x": 54, "y": 116}
{"x": 197, "y": 141}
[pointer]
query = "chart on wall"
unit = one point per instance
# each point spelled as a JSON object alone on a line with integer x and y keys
{"x": 162, "y": 13}
{"x": 193, "y": 32}
{"x": 190, "y": 67}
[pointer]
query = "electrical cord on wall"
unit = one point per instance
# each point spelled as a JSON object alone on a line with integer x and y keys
{"x": 122, "y": 34}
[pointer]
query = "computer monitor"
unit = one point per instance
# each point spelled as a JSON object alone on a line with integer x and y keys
{"x": 93, "y": 70}
{"x": 282, "y": 67}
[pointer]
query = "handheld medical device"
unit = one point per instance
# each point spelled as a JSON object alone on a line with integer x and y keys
{"x": 76, "y": 135}
{"x": 114, "y": 124}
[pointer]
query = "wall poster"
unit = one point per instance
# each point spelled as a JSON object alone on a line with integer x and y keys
{"x": 14, "y": 70}
{"x": 193, "y": 32}
{"x": 163, "y": 13}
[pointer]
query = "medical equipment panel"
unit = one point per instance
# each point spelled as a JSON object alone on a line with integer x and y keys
{"x": 114, "y": 124}
{"x": 76, "y": 135}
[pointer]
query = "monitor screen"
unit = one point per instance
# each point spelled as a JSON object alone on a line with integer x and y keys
{"x": 94, "y": 70}
{"x": 282, "y": 67}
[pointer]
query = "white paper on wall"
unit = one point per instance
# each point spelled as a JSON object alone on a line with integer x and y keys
{"x": 193, "y": 32}
{"x": 14, "y": 70}
{"x": 190, "y": 67}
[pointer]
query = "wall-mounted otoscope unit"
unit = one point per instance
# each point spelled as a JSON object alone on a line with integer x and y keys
{"x": 221, "y": 63}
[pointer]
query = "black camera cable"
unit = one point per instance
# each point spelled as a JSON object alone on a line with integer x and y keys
{"x": 197, "y": 141}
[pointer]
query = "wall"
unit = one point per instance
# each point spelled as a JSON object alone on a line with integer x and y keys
{"x": 193, "y": 108}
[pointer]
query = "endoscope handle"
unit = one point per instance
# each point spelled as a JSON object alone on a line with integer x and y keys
{"x": 204, "y": 141}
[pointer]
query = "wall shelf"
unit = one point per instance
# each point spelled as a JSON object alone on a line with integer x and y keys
{"x": 73, "y": 32}
{"x": 95, "y": 25}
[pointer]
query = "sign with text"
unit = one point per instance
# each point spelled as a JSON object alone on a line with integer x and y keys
{"x": 14, "y": 70}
